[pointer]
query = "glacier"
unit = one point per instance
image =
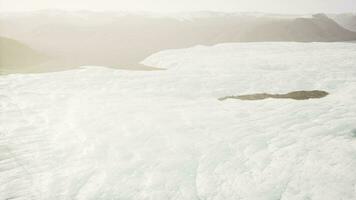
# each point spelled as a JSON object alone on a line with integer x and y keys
{"x": 101, "y": 133}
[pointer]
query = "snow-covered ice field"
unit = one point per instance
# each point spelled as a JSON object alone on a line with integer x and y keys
{"x": 100, "y": 133}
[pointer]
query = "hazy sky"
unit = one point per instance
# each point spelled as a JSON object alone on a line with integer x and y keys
{"x": 276, "y": 6}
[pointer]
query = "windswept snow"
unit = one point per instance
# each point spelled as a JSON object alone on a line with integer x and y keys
{"x": 100, "y": 133}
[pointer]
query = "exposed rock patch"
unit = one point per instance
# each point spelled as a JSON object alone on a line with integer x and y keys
{"x": 297, "y": 95}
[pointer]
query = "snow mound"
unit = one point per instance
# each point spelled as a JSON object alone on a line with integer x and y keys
{"x": 100, "y": 133}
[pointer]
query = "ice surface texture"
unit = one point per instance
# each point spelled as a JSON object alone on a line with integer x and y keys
{"x": 98, "y": 133}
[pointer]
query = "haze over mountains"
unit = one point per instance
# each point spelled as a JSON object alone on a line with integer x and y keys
{"x": 122, "y": 40}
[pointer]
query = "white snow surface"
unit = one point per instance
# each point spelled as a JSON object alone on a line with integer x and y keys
{"x": 100, "y": 133}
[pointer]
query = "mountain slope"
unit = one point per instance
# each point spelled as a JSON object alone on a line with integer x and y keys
{"x": 347, "y": 20}
{"x": 15, "y": 54}
{"x": 319, "y": 28}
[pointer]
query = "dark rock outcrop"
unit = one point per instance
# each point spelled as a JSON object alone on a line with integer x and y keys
{"x": 297, "y": 95}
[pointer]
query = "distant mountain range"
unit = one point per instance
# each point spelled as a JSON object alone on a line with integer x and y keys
{"x": 124, "y": 39}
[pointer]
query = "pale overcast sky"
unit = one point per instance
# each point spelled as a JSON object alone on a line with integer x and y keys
{"x": 274, "y": 6}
